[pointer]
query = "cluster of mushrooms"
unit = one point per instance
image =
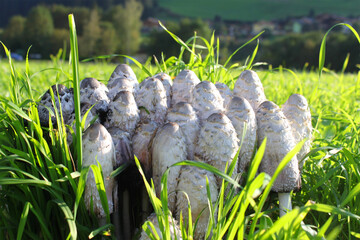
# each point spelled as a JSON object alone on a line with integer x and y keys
{"x": 163, "y": 121}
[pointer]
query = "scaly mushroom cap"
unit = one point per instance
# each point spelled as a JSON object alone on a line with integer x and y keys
{"x": 152, "y": 96}
{"x": 94, "y": 92}
{"x": 183, "y": 86}
{"x": 273, "y": 124}
{"x": 168, "y": 147}
{"x": 217, "y": 143}
{"x": 98, "y": 146}
{"x": 250, "y": 87}
{"x": 207, "y": 99}
{"x": 167, "y": 82}
{"x": 119, "y": 85}
{"x": 297, "y": 111}
{"x": 123, "y": 150}
{"x": 174, "y": 228}
{"x": 144, "y": 133}
{"x": 67, "y": 105}
{"x": 123, "y": 112}
{"x": 192, "y": 181}
{"x": 225, "y": 93}
{"x": 124, "y": 71}
{"x": 183, "y": 114}
{"x": 241, "y": 113}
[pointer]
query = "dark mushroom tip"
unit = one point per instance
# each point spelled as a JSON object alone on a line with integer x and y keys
{"x": 239, "y": 103}
{"x": 92, "y": 83}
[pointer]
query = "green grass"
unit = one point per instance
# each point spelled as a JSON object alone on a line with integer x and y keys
{"x": 42, "y": 188}
{"x": 258, "y": 9}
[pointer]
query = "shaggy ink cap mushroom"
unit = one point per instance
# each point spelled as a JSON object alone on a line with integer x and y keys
{"x": 207, "y": 99}
{"x": 167, "y": 82}
{"x": 98, "y": 147}
{"x": 183, "y": 86}
{"x": 225, "y": 93}
{"x": 119, "y": 85}
{"x": 241, "y": 113}
{"x": 184, "y": 114}
{"x": 123, "y": 147}
{"x": 297, "y": 111}
{"x": 168, "y": 148}
{"x": 250, "y": 87}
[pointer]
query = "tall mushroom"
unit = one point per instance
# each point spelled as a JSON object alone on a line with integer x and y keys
{"x": 242, "y": 114}
{"x": 119, "y": 85}
{"x": 296, "y": 110}
{"x": 192, "y": 181}
{"x": 168, "y": 147}
{"x": 183, "y": 114}
{"x": 151, "y": 97}
{"x": 225, "y": 93}
{"x": 183, "y": 86}
{"x": 217, "y": 143}
{"x": 273, "y": 124}
{"x": 250, "y": 87}
{"x": 94, "y": 92}
{"x": 174, "y": 228}
{"x": 124, "y": 71}
{"x": 123, "y": 112}
{"x": 167, "y": 82}
{"x": 98, "y": 146}
{"x": 207, "y": 99}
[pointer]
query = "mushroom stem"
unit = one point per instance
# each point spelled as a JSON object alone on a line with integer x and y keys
{"x": 284, "y": 203}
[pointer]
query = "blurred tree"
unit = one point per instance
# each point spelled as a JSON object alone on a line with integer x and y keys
{"x": 107, "y": 42}
{"x": 91, "y": 35}
{"x": 127, "y": 23}
{"x": 39, "y": 28}
{"x": 59, "y": 37}
{"x": 13, "y": 33}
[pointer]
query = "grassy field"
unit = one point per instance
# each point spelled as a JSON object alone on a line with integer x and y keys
{"x": 258, "y": 9}
{"x": 42, "y": 189}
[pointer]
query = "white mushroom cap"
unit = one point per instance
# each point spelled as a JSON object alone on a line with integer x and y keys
{"x": 119, "y": 85}
{"x": 250, "y": 87}
{"x": 124, "y": 71}
{"x": 94, "y": 92}
{"x": 167, "y": 82}
{"x": 123, "y": 112}
{"x": 192, "y": 180}
{"x": 152, "y": 96}
{"x": 122, "y": 144}
{"x": 273, "y": 124}
{"x": 297, "y": 111}
{"x": 174, "y": 228}
{"x": 98, "y": 146}
{"x": 225, "y": 93}
{"x": 168, "y": 147}
{"x": 207, "y": 99}
{"x": 144, "y": 133}
{"x": 183, "y": 86}
{"x": 66, "y": 100}
{"x": 183, "y": 114}
{"x": 217, "y": 143}
{"x": 241, "y": 113}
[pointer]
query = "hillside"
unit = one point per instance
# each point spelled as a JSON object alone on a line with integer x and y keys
{"x": 255, "y": 10}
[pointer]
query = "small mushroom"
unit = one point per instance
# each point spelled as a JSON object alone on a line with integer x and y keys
{"x": 296, "y": 110}
{"x": 183, "y": 114}
{"x": 67, "y": 105}
{"x": 98, "y": 146}
{"x": 183, "y": 86}
{"x": 123, "y": 112}
{"x": 217, "y": 144}
{"x": 250, "y": 87}
{"x": 241, "y": 113}
{"x": 124, "y": 71}
{"x": 167, "y": 82}
{"x": 151, "y": 99}
{"x": 119, "y": 85}
{"x": 144, "y": 133}
{"x": 94, "y": 92}
{"x": 174, "y": 228}
{"x": 207, "y": 99}
{"x": 168, "y": 148}
{"x": 273, "y": 124}
{"x": 225, "y": 93}
{"x": 192, "y": 181}
{"x": 122, "y": 144}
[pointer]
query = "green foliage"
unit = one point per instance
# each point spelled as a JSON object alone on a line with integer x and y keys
{"x": 14, "y": 32}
